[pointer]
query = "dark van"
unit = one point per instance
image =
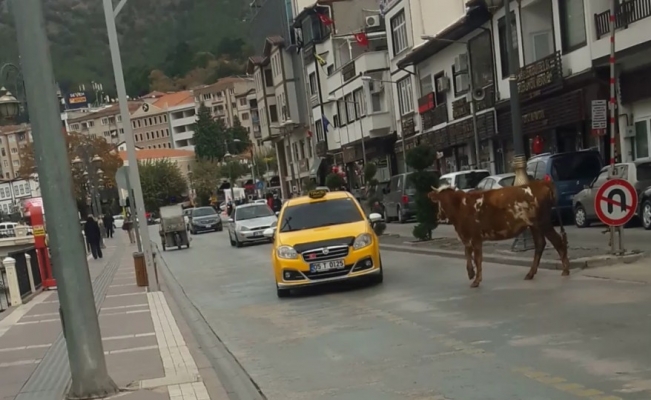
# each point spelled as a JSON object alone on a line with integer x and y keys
{"x": 570, "y": 172}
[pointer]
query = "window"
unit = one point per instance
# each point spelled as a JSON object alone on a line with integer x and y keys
{"x": 295, "y": 151}
{"x": 318, "y": 126}
{"x": 461, "y": 84}
{"x": 405, "y": 100}
{"x": 22, "y": 189}
{"x": 572, "y": 16}
{"x": 350, "y": 108}
{"x": 301, "y": 147}
{"x": 273, "y": 113}
{"x": 360, "y": 106}
{"x": 376, "y": 102}
{"x": 641, "y": 139}
{"x": 104, "y": 121}
{"x": 481, "y": 58}
{"x": 245, "y": 116}
{"x": 399, "y": 33}
{"x": 575, "y": 166}
{"x": 268, "y": 78}
{"x": 4, "y": 153}
{"x": 317, "y": 214}
{"x": 341, "y": 111}
{"x": 243, "y": 101}
{"x": 14, "y": 150}
{"x": 91, "y": 124}
{"x": 119, "y": 118}
{"x": 313, "y": 85}
{"x": 252, "y": 212}
{"x": 501, "y": 28}
{"x": 426, "y": 85}
{"x": 309, "y": 147}
{"x": 542, "y": 46}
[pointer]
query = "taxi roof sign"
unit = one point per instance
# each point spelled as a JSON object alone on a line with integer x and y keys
{"x": 317, "y": 194}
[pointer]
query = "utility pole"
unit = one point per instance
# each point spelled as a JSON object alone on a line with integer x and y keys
{"x": 134, "y": 174}
{"x": 90, "y": 378}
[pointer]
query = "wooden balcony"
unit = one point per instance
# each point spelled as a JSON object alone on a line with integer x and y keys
{"x": 628, "y": 12}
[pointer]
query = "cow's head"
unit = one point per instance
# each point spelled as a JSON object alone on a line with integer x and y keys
{"x": 442, "y": 197}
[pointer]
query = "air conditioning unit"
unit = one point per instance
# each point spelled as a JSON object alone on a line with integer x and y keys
{"x": 373, "y": 21}
{"x": 442, "y": 84}
{"x": 461, "y": 63}
{"x": 461, "y": 82}
{"x": 375, "y": 87}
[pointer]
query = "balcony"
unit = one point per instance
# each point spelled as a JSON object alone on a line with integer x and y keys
{"x": 371, "y": 60}
{"x": 184, "y": 121}
{"x": 629, "y": 12}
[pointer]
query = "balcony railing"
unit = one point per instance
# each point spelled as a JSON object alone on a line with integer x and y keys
{"x": 628, "y": 12}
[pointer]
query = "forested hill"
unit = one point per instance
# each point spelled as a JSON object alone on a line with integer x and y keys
{"x": 152, "y": 32}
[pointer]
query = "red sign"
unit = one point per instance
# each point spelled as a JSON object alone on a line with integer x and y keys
{"x": 615, "y": 202}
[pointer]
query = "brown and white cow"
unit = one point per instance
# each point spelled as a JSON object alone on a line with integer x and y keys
{"x": 502, "y": 214}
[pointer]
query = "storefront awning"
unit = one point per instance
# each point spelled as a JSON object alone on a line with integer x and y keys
{"x": 315, "y": 167}
{"x": 476, "y": 16}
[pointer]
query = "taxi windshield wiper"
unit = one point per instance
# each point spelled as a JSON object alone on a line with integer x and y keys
{"x": 286, "y": 225}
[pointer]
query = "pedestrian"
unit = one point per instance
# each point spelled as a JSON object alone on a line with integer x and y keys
{"x": 109, "y": 225}
{"x": 127, "y": 226}
{"x": 93, "y": 236}
{"x": 277, "y": 204}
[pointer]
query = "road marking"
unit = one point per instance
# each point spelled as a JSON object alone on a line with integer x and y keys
{"x": 125, "y": 307}
{"x": 132, "y": 336}
{"x": 131, "y": 350}
{"x": 123, "y": 285}
{"x": 20, "y": 311}
{"x": 19, "y": 363}
{"x": 103, "y": 314}
{"x": 20, "y": 348}
{"x": 37, "y": 322}
{"x": 563, "y": 385}
{"x": 41, "y": 315}
{"x": 125, "y": 294}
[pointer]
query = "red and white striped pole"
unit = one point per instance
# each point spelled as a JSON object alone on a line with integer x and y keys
{"x": 613, "y": 104}
{"x": 613, "y": 93}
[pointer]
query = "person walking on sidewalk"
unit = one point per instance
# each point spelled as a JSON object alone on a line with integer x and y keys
{"x": 127, "y": 226}
{"x": 109, "y": 225}
{"x": 93, "y": 236}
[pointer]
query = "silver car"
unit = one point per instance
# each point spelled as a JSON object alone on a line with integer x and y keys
{"x": 496, "y": 181}
{"x": 248, "y": 223}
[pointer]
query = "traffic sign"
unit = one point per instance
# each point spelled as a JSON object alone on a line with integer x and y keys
{"x": 599, "y": 117}
{"x": 259, "y": 185}
{"x": 615, "y": 202}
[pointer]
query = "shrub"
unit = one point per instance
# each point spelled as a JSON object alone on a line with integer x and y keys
{"x": 334, "y": 181}
{"x": 421, "y": 158}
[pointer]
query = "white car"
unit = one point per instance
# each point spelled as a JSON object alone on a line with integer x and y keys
{"x": 464, "y": 180}
{"x": 118, "y": 221}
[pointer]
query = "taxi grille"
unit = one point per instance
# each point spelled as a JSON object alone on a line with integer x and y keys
{"x": 325, "y": 253}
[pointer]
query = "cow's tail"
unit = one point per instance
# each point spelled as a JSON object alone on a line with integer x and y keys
{"x": 554, "y": 199}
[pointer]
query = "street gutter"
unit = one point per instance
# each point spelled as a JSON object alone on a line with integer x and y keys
{"x": 577, "y": 263}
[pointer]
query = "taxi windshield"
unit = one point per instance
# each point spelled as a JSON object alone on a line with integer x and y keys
{"x": 317, "y": 214}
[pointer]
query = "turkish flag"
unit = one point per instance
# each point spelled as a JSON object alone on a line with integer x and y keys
{"x": 309, "y": 134}
{"x": 325, "y": 19}
{"x": 361, "y": 39}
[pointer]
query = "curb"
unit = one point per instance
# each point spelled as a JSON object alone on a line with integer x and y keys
{"x": 577, "y": 263}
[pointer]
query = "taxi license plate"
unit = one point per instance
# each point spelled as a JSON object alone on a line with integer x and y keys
{"x": 327, "y": 266}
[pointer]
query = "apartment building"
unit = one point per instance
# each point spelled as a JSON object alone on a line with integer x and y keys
{"x": 103, "y": 122}
{"x": 221, "y": 98}
{"x": 14, "y": 192}
{"x": 151, "y": 127}
{"x": 183, "y": 159}
{"x": 182, "y": 116}
{"x": 12, "y": 139}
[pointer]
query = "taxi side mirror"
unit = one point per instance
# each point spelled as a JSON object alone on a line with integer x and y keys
{"x": 269, "y": 233}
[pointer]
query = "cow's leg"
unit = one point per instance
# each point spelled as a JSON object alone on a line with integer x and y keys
{"x": 561, "y": 247}
{"x": 539, "y": 243}
{"x": 478, "y": 256}
{"x": 469, "y": 267}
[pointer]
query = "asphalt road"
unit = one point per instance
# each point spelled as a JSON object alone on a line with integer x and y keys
{"x": 635, "y": 238}
{"x": 424, "y": 334}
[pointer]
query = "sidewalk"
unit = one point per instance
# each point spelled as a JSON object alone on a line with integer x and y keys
{"x": 146, "y": 353}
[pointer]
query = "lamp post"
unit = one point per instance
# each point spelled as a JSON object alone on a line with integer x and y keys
{"x": 11, "y": 104}
{"x": 89, "y": 165}
{"x": 228, "y": 155}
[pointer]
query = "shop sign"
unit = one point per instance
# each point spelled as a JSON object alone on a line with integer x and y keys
{"x": 460, "y": 132}
{"x": 599, "y": 117}
{"x": 460, "y": 108}
{"x": 534, "y": 116}
{"x": 541, "y": 77}
{"x": 408, "y": 126}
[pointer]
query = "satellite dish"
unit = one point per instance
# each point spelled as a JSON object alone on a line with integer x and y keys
{"x": 479, "y": 94}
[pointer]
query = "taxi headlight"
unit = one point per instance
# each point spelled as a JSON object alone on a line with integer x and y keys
{"x": 286, "y": 252}
{"x": 362, "y": 241}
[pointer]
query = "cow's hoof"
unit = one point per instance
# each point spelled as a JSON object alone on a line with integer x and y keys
{"x": 528, "y": 277}
{"x": 566, "y": 273}
{"x": 471, "y": 274}
{"x": 474, "y": 284}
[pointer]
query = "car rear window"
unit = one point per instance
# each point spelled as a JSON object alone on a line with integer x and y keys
{"x": 318, "y": 214}
{"x": 644, "y": 172}
{"x": 203, "y": 211}
{"x": 508, "y": 181}
{"x": 576, "y": 166}
{"x": 470, "y": 180}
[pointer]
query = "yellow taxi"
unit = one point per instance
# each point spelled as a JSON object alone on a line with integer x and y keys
{"x": 323, "y": 237}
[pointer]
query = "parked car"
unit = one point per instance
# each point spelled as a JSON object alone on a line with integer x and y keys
{"x": 496, "y": 181}
{"x": 248, "y": 223}
{"x": 570, "y": 172}
{"x": 464, "y": 180}
{"x": 638, "y": 173}
{"x": 399, "y": 202}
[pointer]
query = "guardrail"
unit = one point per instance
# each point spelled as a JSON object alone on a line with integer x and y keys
{"x": 20, "y": 277}
{"x": 629, "y": 11}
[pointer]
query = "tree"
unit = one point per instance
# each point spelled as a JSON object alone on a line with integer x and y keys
{"x": 421, "y": 158}
{"x": 208, "y": 136}
{"x": 233, "y": 169}
{"x": 78, "y": 144}
{"x": 334, "y": 181}
{"x": 162, "y": 183}
{"x": 264, "y": 161}
{"x": 206, "y": 177}
{"x": 239, "y": 138}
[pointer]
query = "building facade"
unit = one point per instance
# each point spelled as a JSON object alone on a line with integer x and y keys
{"x": 13, "y": 192}
{"x": 182, "y": 116}
{"x": 12, "y": 139}
{"x": 151, "y": 127}
{"x": 105, "y": 122}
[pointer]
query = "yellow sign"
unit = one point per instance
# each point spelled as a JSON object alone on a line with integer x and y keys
{"x": 317, "y": 194}
{"x": 38, "y": 230}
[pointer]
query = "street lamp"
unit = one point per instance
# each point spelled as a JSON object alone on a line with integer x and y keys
{"x": 230, "y": 171}
{"x": 9, "y": 105}
{"x": 92, "y": 173}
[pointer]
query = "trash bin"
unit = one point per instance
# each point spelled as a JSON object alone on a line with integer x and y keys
{"x": 141, "y": 269}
